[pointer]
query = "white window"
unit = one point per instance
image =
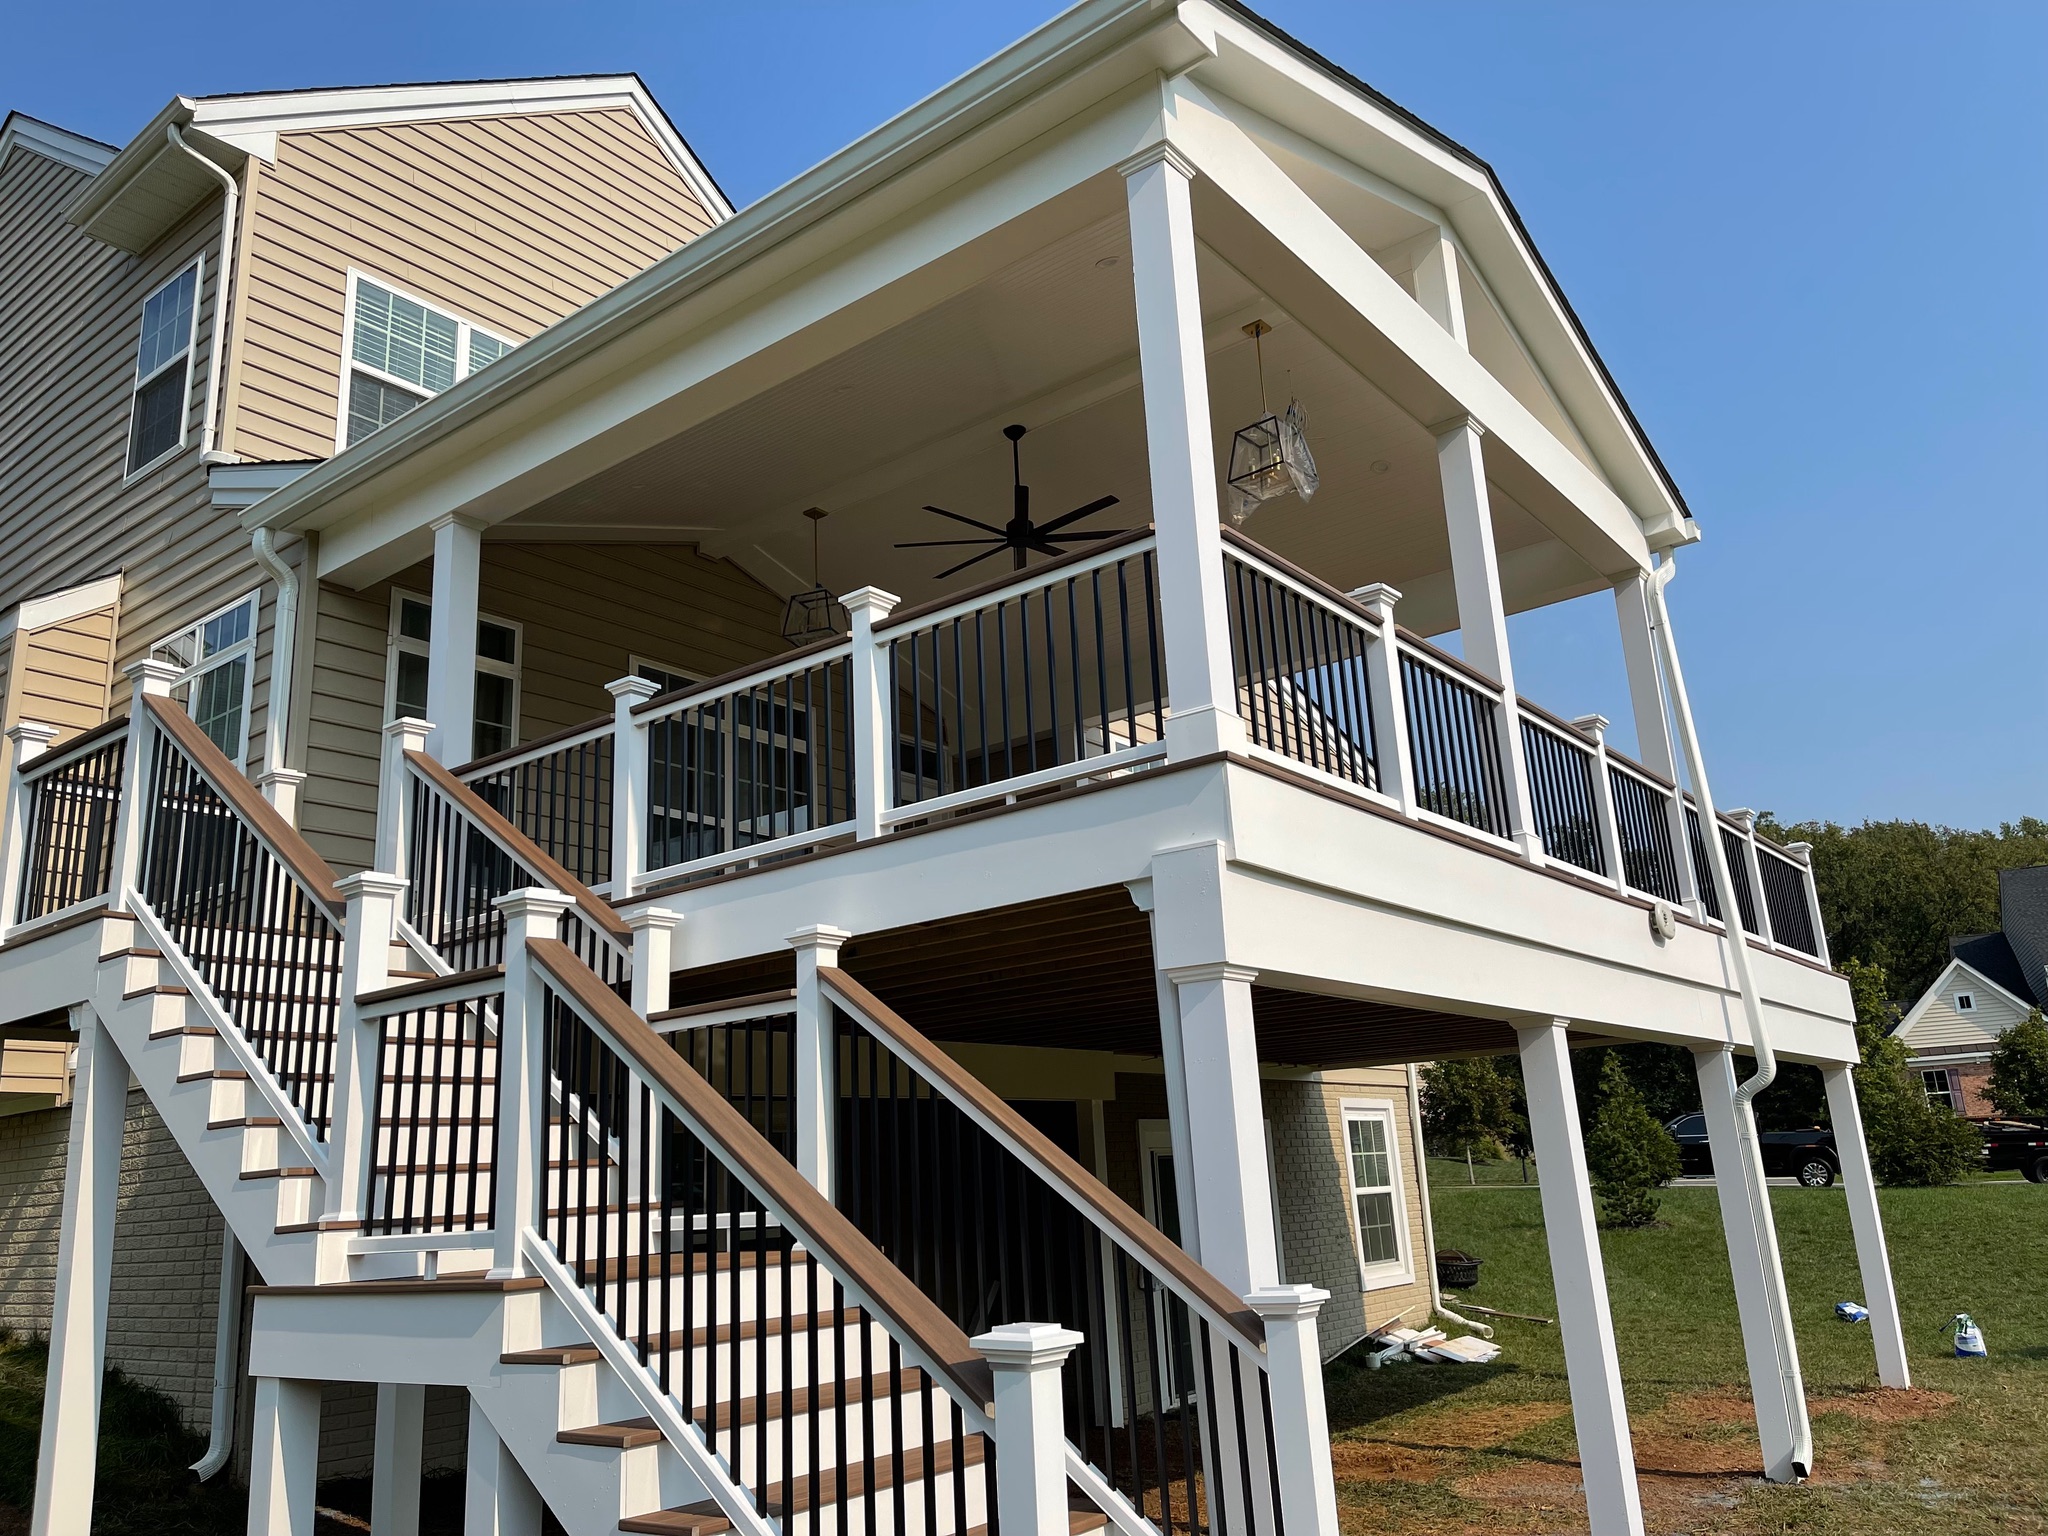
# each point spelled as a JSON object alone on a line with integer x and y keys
{"x": 217, "y": 662}
{"x": 402, "y": 352}
{"x": 496, "y": 727}
{"x": 1965, "y": 1003}
{"x": 163, "y": 371}
{"x": 1940, "y": 1087}
{"x": 1378, "y": 1212}
{"x": 666, "y": 678}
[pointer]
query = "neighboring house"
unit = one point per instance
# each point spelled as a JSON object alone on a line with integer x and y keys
{"x": 1991, "y": 982}
{"x": 643, "y": 994}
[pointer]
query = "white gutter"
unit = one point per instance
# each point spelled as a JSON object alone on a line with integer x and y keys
{"x": 283, "y": 646}
{"x": 222, "y": 282}
{"x": 227, "y": 1365}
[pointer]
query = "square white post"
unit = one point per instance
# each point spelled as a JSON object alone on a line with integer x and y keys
{"x": 147, "y": 679}
{"x": 396, "y": 1462}
{"x": 1301, "y": 1416}
{"x": 498, "y": 1499}
{"x": 654, "y": 936}
{"x": 1482, "y": 614}
{"x": 1179, "y": 444}
{"x": 372, "y": 919}
{"x": 67, "y": 1459}
{"x": 30, "y": 740}
{"x": 1599, "y": 1413}
{"x": 630, "y": 788}
{"x": 1031, "y": 1436}
{"x": 1224, "y": 1158}
{"x": 817, "y": 1093}
{"x": 873, "y": 753}
{"x": 394, "y": 794}
{"x": 1389, "y": 706}
{"x": 451, "y": 642}
{"x": 1802, "y": 855}
{"x": 1865, "y": 1221}
{"x": 1594, "y": 729}
{"x": 1655, "y": 749}
{"x": 284, "y": 1457}
{"x": 522, "y": 1079}
{"x": 1775, "y": 1384}
{"x": 1179, "y": 1133}
{"x": 280, "y": 786}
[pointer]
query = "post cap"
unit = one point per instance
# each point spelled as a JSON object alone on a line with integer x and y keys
{"x": 652, "y": 917}
{"x": 872, "y": 601}
{"x": 1281, "y": 1303}
{"x": 533, "y": 901}
{"x": 152, "y": 676}
{"x": 1377, "y": 598}
{"x": 35, "y": 733}
{"x": 1741, "y": 815}
{"x": 819, "y": 936}
{"x": 409, "y": 725}
{"x": 1031, "y": 1346}
{"x": 636, "y": 688}
{"x": 1803, "y": 852}
{"x": 1593, "y": 727}
{"x": 371, "y": 882}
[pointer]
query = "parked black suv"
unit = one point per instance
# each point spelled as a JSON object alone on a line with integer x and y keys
{"x": 1808, "y": 1155}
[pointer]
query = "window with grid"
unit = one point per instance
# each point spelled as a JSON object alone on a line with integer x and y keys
{"x": 1941, "y": 1089}
{"x": 403, "y": 352}
{"x": 496, "y": 725}
{"x": 1375, "y": 1187}
{"x": 163, "y": 370}
{"x": 217, "y": 660}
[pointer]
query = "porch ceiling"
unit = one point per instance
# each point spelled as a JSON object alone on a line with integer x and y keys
{"x": 1076, "y": 973}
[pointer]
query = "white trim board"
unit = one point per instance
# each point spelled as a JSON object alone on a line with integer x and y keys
{"x": 34, "y": 613}
{"x": 53, "y": 143}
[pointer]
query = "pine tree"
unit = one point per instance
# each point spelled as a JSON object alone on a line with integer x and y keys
{"x": 1628, "y": 1153}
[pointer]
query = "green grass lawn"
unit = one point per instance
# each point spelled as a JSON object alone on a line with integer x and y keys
{"x": 1458, "y": 1448}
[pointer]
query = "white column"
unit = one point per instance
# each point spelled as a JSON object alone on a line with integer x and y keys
{"x": 1030, "y": 1435}
{"x": 629, "y": 783}
{"x": 1846, "y": 1116}
{"x": 451, "y": 647}
{"x": 30, "y": 740}
{"x": 1594, "y": 729}
{"x": 1224, "y": 1157}
{"x": 1775, "y": 1386}
{"x": 1655, "y": 748}
{"x": 498, "y": 1499}
{"x": 817, "y": 1094}
{"x": 1482, "y": 614}
{"x": 522, "y": 1082}
{"x": 372, "y": 919}
{"x": 67, "y": 1458}
{"x": 394, "y": 794}
{"x": 395, "y": 1468}
{"x": 1301, "y": 1418}
{"x": 1389, "y": 707}
{"x": 874, "y": 725}
{"x": 1599, "y": 1414}
{"x": 284, "y": 1457}
{"x": 1174, "y": 365}
{"x": 654, "y": 947}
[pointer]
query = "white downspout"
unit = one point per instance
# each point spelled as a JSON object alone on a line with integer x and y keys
{"x": 1436, "y": 1290}
{"x": 283, "y": 649}
{"x": 223, "y": 281}
{"x": 227, "y": 1365}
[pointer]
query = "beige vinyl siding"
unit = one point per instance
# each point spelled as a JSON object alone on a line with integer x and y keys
{"x": 1942, "y": 1029}
{"x": 66, "y": 674}
{"x": 584, "y": 611}
{"x": 510, "y": 223}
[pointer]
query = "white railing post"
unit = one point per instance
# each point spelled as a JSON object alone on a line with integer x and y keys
{"x": 817, "y": 1095}
{"x": 522, "y": 1080}
{"x": 366, "y": 935}
{"x": 1301, "y": 1420}
{"x": 30, "y": 739}
{"x": 1389, "y": 708}
{"x": 280, "y": 786}
{"x": 1030, "y": 1433}
{"x": 631, "y": 792}
{"x": 1594, "y": 729}
{"x": 874, "y": 771}
{"x": 1753, "y": 869}
{"x": 1802, "y": 855}
{"x": 147, "y": 679}
{"x": 394, "y": 794}
{"x": 654, "y": 940}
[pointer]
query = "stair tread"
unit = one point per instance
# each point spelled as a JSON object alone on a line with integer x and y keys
{"x": 751, "y": 1409}
{"x": 245, "y": 1122}
{"x": 626, "y": 1435}
{"x": 689, "y": 1520}
{"x": 631, "y": 1267}
{"x": 754, "y": 1327}
{"x": 280, "y": 1173}
{"x": 558, "y": 1354}
{"x": 814, "y": 1489}
{"x": 162, "y": 990}
{"x": 217, "y": 1074}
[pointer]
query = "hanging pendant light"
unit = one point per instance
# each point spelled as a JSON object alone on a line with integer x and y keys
{"x": 1270, "y": 457}
{"x": 814, "y": 615}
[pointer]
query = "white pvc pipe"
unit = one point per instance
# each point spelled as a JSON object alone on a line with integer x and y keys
{"x": 284, "y": 640}
{"x": 227, "y": 1364}
{"x": 1436, "y": 1290}
{"x": 223, "y": 280}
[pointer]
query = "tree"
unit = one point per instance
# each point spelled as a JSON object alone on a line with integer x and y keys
{"x": 2019, "y": 1070}
{"x": 1469, "y": 1106}
{"x": 1629, "y": 1155}
{"x": 1911, "y": 1139}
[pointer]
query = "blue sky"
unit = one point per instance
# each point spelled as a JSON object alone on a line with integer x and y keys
{"x": 1809, "y": 239}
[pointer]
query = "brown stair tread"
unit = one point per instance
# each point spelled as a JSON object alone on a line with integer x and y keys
{"x": 627, "y": 1435}
{"x": 828, "y": 1395}
{"x": 814, "y": 1490}
{"x": 691, "y": 1520}
{"x": 453, "y": 1285}
{"x": 246, "y": 1122}
{"x": 160, "y": 990}
{"x": 559, "y": 1354}
{"x": 218, "y": 1074}
{"x": 133, "y": 953}
{"x": 182, "y": 1029}
{"x": 677, "y": 1264}
{"x": 754, "y": 1327}
{"x": 280, "y": 1173}
{"x": 1081, "y": 1519}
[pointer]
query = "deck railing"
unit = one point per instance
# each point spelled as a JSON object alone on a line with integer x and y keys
{"x": 559, "y": 793}
{"x": 1454, "y": 740}
{"x": 1564, "y": 793}
{"x": 68, "y": 801}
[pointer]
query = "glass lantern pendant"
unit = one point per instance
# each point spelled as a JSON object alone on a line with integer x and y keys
{"x": 814, "y": 615}
{"x": 1270, "y": 457}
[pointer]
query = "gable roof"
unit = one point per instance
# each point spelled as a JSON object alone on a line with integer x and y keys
{"x": 20, "y": 131}
{"x": 2023, "y": 912}
{"x": 1957, "y": 968}
{"x": 1990, "y": 956}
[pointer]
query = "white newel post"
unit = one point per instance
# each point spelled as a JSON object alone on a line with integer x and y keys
{"x": 1389, "y": 707}
{"x": 394, "y": 793}
{"x": 284, "y": 1456}
{"x": 372, "y": 920}
{"x": 1301, "y": 1418}
{"x": 1802, "y": 855}
{"x": 1482, "y": 613}
{"x": 522, "y": 1081}
{"x": 147, "y": 679}
{"x": 1031, "y": 1436}
{"x": 874, "y": 768}
{"x": 30, "y": 740}
{"x": 1867, "y": 1223}
{"x": 280, "y": 786}
{"x": 1594, "y": 729}
{"x": 451, "y": 645}
{"x": 1579, "y": 1277}
{"x": 817, "y": 1095}
{"x": 1174, "y": 365}
{"x": 630, "y": 789}
{"x": 67, "y": 1460}
{"x": 654, "y": 943}
{"x": 1225, "y": 1156}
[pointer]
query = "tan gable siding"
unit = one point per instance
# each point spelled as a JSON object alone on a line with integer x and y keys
{"x": 511, "y": 223}
{"x": 1941, "y": 1028}
{"x": 67, "y": 673}
{"x": 584, "y": 612}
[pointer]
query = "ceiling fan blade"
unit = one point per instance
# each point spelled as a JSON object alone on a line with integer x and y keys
{"x": 941, "y": 543}
{"x": 1078, "y": 513}
{"x": 971, "y": 560}
{"x": 969, "y": 521}
{"x": 1089, "y": 535}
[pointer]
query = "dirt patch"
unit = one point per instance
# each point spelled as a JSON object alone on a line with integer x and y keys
{"x": 1887, "y": 1406}
{"x": 1375, "y": 1461}
{"x": 1698, "y": 1408}
{"x": 1480, "y": 1428}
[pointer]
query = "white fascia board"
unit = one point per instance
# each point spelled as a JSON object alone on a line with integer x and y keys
{"x": 1942, "y": 983}
{"x": 20, "y": 131}
{"x": 1256, "y": 68}
{"x": 34, "y": 613}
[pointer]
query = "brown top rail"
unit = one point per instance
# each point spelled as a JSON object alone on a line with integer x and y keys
{"x": 69, "y": 751}
{"x": 1293, "y": 572}
{"x": 538, "y": 744}
{"x": 727, "y": 678}
{"x": 1630, "y": 765}
{"x": 523, "y": 848}
{"x": 383, "y": 999}
{"x": 815, "y": 1220}
{"x": 307, "y": 867}
{"x": 1153, "y": 1246}
{"x": 1027, "y": 578}
{"x": 1444, "y": 658}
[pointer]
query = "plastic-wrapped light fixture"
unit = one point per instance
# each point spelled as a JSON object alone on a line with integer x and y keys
{"x": 1270, "y": 457}
{"x": 814, "y": 615}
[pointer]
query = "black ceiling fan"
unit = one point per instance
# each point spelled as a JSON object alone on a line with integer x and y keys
{"x": 1019, "y": 535}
